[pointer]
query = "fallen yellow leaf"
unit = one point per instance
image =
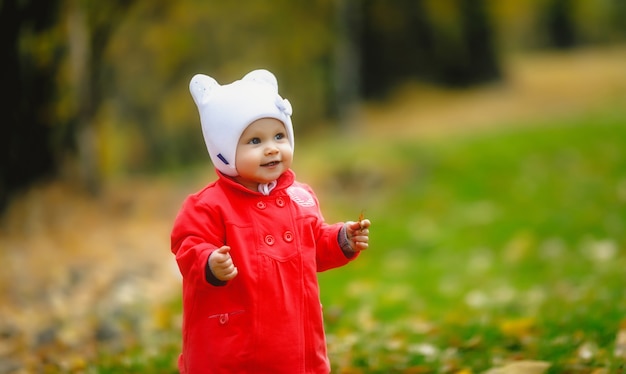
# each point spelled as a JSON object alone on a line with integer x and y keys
{"x": 518, "y": 328}
{"x": 521, "y": 367}
{"x": 464, "y": 371}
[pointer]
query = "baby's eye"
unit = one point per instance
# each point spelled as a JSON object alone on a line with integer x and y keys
{"x": 254, "y": 141}
{"x": 279, "y": 136}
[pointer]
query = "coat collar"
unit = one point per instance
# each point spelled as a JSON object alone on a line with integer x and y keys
{"x": 284, "y": 181}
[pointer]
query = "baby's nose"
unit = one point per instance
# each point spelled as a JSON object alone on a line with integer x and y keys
{"x": 271, "y": 149}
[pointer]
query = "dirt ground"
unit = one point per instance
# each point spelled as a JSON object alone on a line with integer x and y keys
{"x": 81, "y": 273}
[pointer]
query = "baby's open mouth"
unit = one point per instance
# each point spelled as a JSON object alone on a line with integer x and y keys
{"x": 272, "y": 163}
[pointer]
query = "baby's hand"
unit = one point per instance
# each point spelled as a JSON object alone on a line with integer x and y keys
{"x": 221, "y": 264}
{"x": 358, "y": 234}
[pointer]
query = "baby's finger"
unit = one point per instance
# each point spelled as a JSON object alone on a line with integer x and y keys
{"x": 361, "y": 246}
{"x": 361, "y": 239}
{"x": 232, "y": 273}
{"x": 223, "y": 250}
{"x": 225, "y": 262}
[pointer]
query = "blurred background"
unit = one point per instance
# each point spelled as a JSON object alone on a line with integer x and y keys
{"x": 100, "y": 140}
{"x": 101, "y": 90}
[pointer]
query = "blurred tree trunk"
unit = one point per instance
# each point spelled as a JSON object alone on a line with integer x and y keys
{"x": 560, "y": 25}
{"x": 26, "y": 152}
{"x": 347, "y": 86}
{"x": 90, "y": 25}
{"x": 481, "y": 58}
{"x": 404, "y": 40}
{"x": 82, "y": 69}
{"x": 397, "y": 43}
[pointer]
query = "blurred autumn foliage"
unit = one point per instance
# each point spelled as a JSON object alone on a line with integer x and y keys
{"x": 97, "y": 89}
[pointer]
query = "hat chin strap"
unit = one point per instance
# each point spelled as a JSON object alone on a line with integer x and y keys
{"x": 266, "y": 188}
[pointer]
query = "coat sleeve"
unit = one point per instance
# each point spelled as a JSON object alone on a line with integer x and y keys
{"x": 196, "y": 233}
{"x": 329, "y": 254}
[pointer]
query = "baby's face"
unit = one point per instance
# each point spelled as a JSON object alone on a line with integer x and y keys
{"x": 263, "y": 153}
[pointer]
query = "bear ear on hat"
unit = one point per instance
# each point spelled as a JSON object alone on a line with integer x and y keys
{"x": 201, "y": 87}
{"x": 262, "y": 76}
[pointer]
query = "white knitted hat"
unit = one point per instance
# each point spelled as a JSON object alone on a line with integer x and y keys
{"x": 226, "y": 111}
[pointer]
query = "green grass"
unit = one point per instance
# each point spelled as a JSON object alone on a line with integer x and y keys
{"x": 503, "y": 245}
{"x": 500, "y": 246}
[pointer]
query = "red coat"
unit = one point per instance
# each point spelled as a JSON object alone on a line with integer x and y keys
{"x": 268, "y": 319}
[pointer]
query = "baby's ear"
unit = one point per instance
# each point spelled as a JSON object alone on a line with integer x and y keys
{"x": 201, "y": 87}
{"x": 262, "y": 76}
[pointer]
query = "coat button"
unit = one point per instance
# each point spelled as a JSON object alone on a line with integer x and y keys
{"x": 269, "y": 240}
{"x": 223, "y": 319}
{"x": 260, "y": 205}
{"x": 280, "y": 202}
{"x": 288, "y": 236}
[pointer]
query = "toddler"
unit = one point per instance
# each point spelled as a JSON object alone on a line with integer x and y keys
{"x": 249, "y": 245}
